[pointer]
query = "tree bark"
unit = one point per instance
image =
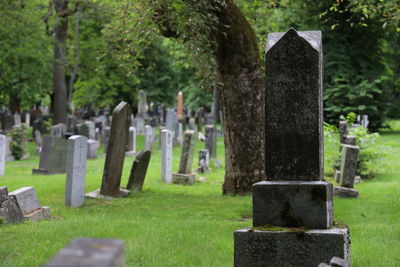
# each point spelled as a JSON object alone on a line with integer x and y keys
{"x": 59, "y": 62}
{"x": 241, "y": 99}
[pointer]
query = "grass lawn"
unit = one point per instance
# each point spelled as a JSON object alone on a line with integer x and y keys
{"x": 174, "y": 225}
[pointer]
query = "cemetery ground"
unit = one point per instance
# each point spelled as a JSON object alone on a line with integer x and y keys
{"x": 175, "y": 225}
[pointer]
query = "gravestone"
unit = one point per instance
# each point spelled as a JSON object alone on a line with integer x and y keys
{"x": 185, "y": 175}
{"x": 53, "y": 156}
{"x": 9, "y": 209}
{"x": 92, "y": 146}
{"x": 88, "y": 129}
{"x": 110, "y": 186}
{"x": 17, "y": 119}
{"x": 38, "y": 142}
{"x": 148, "y": 138}
{"x": 76, "y": 171}
{"x": 7, "y": 122}
{"x": 28, "y": 120}
{"x": 342, "y": 131}
{"x": 3, "y": 144}
{"x": 71, "y": 124}
{"x": 142, "y": 105}
{"x": 28, "y": 202}
{"x": 131, "y": 146}
{"x": 211, "y": 140}
{"x": 204, "y": 160}
{"x": 179, "y": 106}
{"x": 58, "y": 130}
{"x": 294, "y": 194}
{"x": 139, "y": 170}
{"x": 170, "y": 120}
{"x": 139, "y": 125}
{"x": 348, "y": 168}
{"x": 364, "y": 121}
{"x": 9, "y": 155}
{"x": 178, "y": 134}
{"x": 166, "y": 156}
{"x": 87, "y": 252}
{"x": 350, "y": 140}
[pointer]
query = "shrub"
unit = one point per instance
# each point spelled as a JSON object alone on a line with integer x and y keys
{"x": 331, "y": 148}
{"x": 18, "y": 142}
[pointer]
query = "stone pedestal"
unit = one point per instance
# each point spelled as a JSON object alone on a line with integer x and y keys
{"x": 346, "y": 192}
{"x": 289, "y": 246}
{"x": 180, "y": 178}
{"x": 96, "y": 194}
{"x": 39, "y": 214}
{"x": 293, "y": 204}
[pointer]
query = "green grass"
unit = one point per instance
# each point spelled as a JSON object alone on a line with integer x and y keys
{"x": 174, "y": 225}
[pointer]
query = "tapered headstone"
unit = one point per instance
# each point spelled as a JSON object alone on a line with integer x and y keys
{"x": 139, "y": 170}
{"x": 211, "y": 140}
{"x": 179, "y": 106}
{"x": 293, "y": 106}
{"x": 166, "y": 156}
{"x": 348, "y": 165}
{"x": 185, "y": 175}
{"x": 115, "y": 156}
{"x": 76, "y": 171}
{"x": 342, "y": 131}
{"x": 3, "y": 143}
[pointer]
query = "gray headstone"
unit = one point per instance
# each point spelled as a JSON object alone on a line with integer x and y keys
{"x": 92, "y": 146}
{"x": 350, "y": 140}
{"x": 204, "y": 160}
{"x": 148, "y": 138}
{"x": 58, "y": 130}
{"x": 38, "y": 141}
{"x": 76, "y": 171}
{"x": 211, "y": 140}
{"x": 27, "y": 199}
{"x": 115, "y": 156}
{"x": 166, "y": 156}
{"x": 17, "y": 119}
{"x": 53, "y": 156}
{"x": 293, "y": 106}
{"x": 139, "y": 125}
{"x": 365, "y": 121}
{"x": 85, "y": 252}
{"x": 88, "y": 129}
{"x": 142, "y": 105}
{"x": 342, "y": 131}
{"x": 186, "y": 161}
{"x": 170, "y": 119}
{"x": 3, "y": 144}
{"x": 139, "y": 170}
{"x": 9, "y": 155}
{"x": 131, "y": 147}
{"x": 348, "y": 165}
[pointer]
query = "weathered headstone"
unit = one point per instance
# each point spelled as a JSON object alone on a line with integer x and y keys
{"x": 131, "y": 146}
{"x": 92, "y": 146}
{"x": 342, "y": 131}
{"x": 28, "y": 202}
{"x": 28, "y": 119}
{"x": 3, "y": 144}
{"x": 365, "y": 121}
{"x": 204, "y": 160}
{"x": 148, "y": 138}
{"x": 17, "y": 119}
{"x": 348, "y": 168}
{"x": 178, "y": 134}
{"x": 76, "y": 171}
{"x": 9, "y": 209}
{"x": 170, "y": 120}
{"x": 38, "y": 142}
{"x": 87, "y": 252}
{"x": 211, "y": 140}
{"x": 139, "y": 125}
{"x": 53, "y": 156}
{"x": 185, "y": 175}
{"x": 58, "y": 130}
{"x": 88, "y": 129}
{"x": 179, "y": 106}
{"x": 142, "y": 105}
{"x": 166, "y": 156}
{"x": 139, "y": 170}
{"x": 115, "y": 156}
{"x": 294, "y": 193}
{"x": 7, "y": 122}
{"x": 350, "y": 140}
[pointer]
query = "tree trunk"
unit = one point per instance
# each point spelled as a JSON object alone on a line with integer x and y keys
{"x": 241, "y": 99}
{"x": 59, "y": 62}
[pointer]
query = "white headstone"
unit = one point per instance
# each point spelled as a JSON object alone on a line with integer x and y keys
{"x": 148, "y": 138}
{"x": 17, "y": 119}
{"x": 166, "y": 156}
{"x": 3, "y": 143}
{"x": 132, "y": 140}
{"x": 76, "y": 170}
{"x": 28, "y": 119}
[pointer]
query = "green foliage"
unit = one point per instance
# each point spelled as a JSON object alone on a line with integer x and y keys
{"x": 331, "y": 148}
{"x": 351, "y": 118}
{"x": 370, "y": 152}
{"x": 18, "y": 141}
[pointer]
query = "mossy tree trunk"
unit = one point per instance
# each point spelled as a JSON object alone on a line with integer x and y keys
{"x": 241, "y": 99}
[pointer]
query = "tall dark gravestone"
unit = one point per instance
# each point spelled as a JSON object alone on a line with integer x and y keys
{"x": 295, "y": 194}
{"x": 116, "y": 147}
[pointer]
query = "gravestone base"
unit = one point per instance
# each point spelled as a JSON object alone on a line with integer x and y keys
{"x": 289, "y": 246}
{"x": 130, "y": 153}
{"x": 96, "y": 194}
{"x": 186, "y": 179}
{"x": 293, "y": 204}
{"x": 45, "y": 171}
{"x": 345, "y": 192}
{"x": 39, "y": 214}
